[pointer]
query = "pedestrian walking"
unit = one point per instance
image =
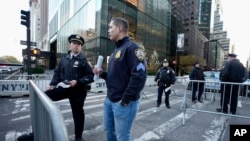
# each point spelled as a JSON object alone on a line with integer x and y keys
{"x": 125, "y": 79}
{"x": 165, "y": 79}
{"x": 197, "y": 74}
{"x": 233, "y": 71}
{"x": 75, "y": 72}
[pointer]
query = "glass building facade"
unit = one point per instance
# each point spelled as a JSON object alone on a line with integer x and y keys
{"x": 185, "y": 20}
{"x": 149, "y": 24}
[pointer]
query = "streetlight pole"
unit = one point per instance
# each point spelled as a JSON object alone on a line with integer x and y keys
{"x": 29, "y": 53}
{"x": 25, "y": 20}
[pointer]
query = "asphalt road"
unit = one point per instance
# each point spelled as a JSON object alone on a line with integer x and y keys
{"x": 152, "y": 123}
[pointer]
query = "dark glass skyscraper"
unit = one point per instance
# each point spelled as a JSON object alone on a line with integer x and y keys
{"x": 185, "y": 20}
{"x": 205, "y": 17}
{"x": 149, "y": 24}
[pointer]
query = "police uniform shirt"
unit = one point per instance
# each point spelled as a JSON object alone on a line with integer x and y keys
{"x": 73, "y": 55}
{"x": 170, "y": 74}
{"x": 73, "y": 69}
{"x": 233, "y": 71}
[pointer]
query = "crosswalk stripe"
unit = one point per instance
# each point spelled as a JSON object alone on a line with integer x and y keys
{"x": 153, "y": 110}
{"x": 65, "y": 102}
{"x": 139, "y": 116}
{"x": 212, "y": 133}
{"x": 168, "y": 126}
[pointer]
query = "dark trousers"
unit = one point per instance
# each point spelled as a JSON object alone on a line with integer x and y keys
{"x": 161, "y": 89}
{"x": 197, "y": 86}
{"x": 229, "y": 92}
{"x": 76, "y": 98}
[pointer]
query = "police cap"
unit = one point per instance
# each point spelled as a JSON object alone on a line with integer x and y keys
{"x": 232, "y": 55}
{"x": 76, "y": 37}
{"x": 165, "y": 61}
{"x": 195, "y": 63}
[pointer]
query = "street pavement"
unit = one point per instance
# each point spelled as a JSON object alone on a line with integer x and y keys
{"x": 151, "y": 123}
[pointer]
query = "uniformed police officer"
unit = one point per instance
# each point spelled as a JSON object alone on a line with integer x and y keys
{"x": 75, "y": 71}
{"x": 165, "y": 78}
{"x": 196, "y": 73}
{"x": 233, "y": 71}
{"x": 125, "y": 79}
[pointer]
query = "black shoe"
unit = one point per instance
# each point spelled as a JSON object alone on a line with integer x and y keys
{"x": 233, "y": 113}
{"x": 200, "y": 101}
{"x": 79, "y": 139}
{"x": 26, "y": 137}
{"x": 168, "y": 106}
{"x": 158, "y": 105}
{"x": 220, "y": 110}
{"x": 194, "y": 101}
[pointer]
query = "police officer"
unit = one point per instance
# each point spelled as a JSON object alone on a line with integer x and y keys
{"x": 233, "y": 71}
{"x": 75, "y": 71}
{"x": 196, "y": 73}
{"x": 165, "y": 79}
{"x": 125, "y": 78}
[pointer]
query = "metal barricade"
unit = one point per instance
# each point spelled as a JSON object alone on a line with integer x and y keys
{"x": 18, "y": 85}
{"x": 179, "y": 85}
{"x": 225, "y": 92}
{"x": 46, "y": 119}
{"x": 14, "y": 87}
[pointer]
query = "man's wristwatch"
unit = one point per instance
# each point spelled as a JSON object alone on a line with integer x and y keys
{"x": 123, "y": 103}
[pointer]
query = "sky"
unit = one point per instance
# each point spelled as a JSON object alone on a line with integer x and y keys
{"x": 235, "y": 13}
{"x": 234, "y": 18}
{"x": 11, "y": 31}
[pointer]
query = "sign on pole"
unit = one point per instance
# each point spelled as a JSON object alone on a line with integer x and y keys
{"x": 25, "y": 43}
{"x": 180, "y": 40}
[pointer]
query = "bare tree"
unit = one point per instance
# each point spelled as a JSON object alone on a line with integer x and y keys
{"x": 154, "y": 62}
{"x": 8, "y": 59}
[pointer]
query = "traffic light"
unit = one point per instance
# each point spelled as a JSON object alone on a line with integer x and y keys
{"x": 25, "y": 18}
{"x": 35, "y": 52}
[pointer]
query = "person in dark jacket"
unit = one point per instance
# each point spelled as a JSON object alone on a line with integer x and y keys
{"x": 75, "y": 72}
{"x": 197, "y": 74}
{"x": 165, "y": 79}
{"x": 125, "y": 79}
{"x": 233, "y": 71}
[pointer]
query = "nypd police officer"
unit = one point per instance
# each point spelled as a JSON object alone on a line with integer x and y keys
{"x": 125, "y": 78}
{"x": 165, "y": 78}
{"x": 75, "y": 71}
{"x": 196, "y": 73}
{"x": 233, "y": 71}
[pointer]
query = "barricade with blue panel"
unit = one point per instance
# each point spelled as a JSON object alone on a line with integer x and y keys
{"x": 218, "y": 98}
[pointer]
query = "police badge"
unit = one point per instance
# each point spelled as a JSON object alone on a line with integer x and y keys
{"x": 75, "y": 64}
{"x": 118, "y": 54}
{"x": 140, "y": 54}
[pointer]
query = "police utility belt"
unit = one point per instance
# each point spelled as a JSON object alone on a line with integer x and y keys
{"x": 161, "y": 83}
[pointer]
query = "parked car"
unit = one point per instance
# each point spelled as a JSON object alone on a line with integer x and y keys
{"x": 4, "y": 69}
